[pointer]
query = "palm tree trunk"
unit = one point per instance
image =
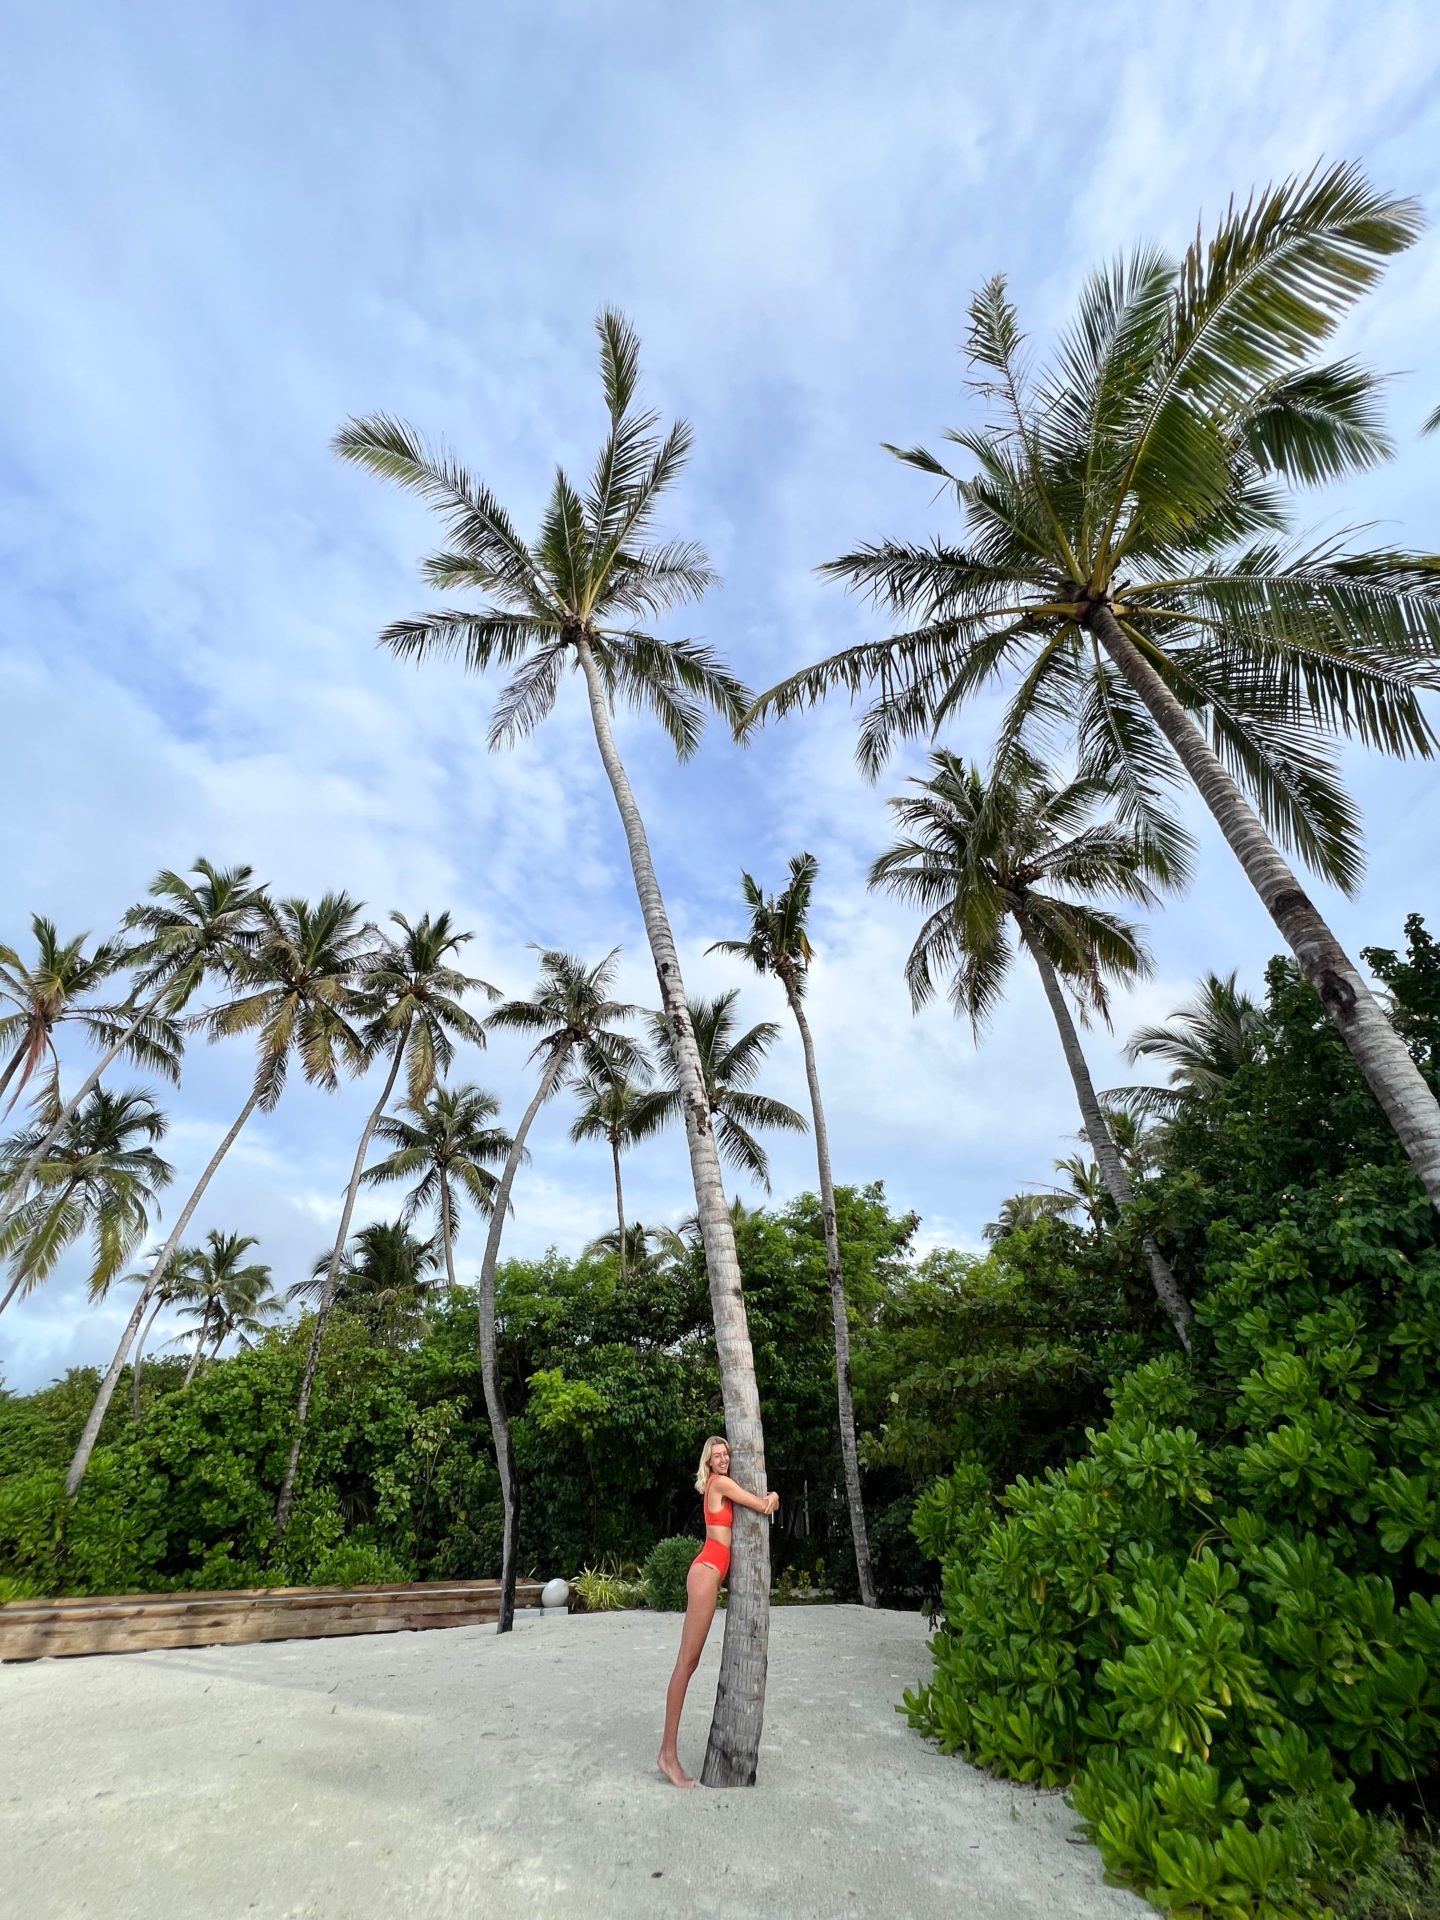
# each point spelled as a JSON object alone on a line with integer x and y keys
{"x": 91, "y": 1431}
{"x": 16, "y": 1194}
{"x": 201, "y": 1333}
{"x": 135, "y": 1363}
{"x": 733, "y": 1750}
{"x": 327, "y": 1298}
{"x": 1391, "y": 1075}
{"x": 489, "y": 1361}
{"x": 844, "y": 1395}
{"x": 1102, "y": 1143}
{"x": 619, "y": 1207}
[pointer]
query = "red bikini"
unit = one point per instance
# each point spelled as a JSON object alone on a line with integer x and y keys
{"x": 716, "y": 1553}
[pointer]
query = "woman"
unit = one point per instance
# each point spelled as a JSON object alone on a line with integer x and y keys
{"x": 719, "y": 1496}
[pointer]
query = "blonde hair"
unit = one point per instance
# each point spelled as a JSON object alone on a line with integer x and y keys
{"x": 702, "y": 1478}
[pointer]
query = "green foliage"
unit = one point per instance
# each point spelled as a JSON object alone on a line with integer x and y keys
{"x": 610, "y": 1588}
{"x": 1219, "y": 1625}
{"x": 666, "y": 1571}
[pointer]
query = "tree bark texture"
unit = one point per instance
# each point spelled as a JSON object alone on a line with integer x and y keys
{"x": 1391, "y": 1075}
{"x": 733, "y": 1750}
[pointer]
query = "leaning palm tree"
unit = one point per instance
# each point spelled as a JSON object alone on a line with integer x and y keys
{"x": 729, "y": 1063}
{"x": 187, "y": 932}
{"x": 385, "y": 1279}
{"x": 296, "y": 991}
{"x": 218, "y": 1288}
{"x": 579, "y": 597}
{"x": 620, "y": 1111}
{"x": 1204, "y": 1043}
{"x": 168, "y": 1293}
{"x": 411, "y": 1002}
{"x": 103, "y": 1176}
{"x": 778, "y": 943}
{"x": 1128, "y": 566}
{"x": 981, "y": 853}
{"x": 576, "y": 1026}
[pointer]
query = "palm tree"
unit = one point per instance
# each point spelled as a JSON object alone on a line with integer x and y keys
{"x": 165, "y": 1294}
{"x": 189, "y": 931}
{"x": 385, "y": 1278}
{"x": 1022, "y": 1211}
{"x": 577, "y": 1025}
{"x": 641, "y": 1249}
{"x": 1086, "y": 1189}
{"x": 221, "y": 1291}
{"x": 103, "y": 1175}
{"x": 778, "y": 943}
{"x": 979, "y": 854}
{"x": 618, "y": 1110}
{"x": 411, "y": 1005}
{"x": 296, "y": 990}
{"x": 44, "y": 994}
{"x": 578, "y": 598}
{"x": 1204, "y": 1043}
{"x": 1128, "y": 560}
{"x": 729, "y": 1063}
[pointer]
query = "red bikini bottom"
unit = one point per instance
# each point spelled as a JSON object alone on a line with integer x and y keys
{"x": 715, "y": 1554}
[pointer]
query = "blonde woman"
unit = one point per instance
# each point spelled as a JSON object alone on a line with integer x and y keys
{"x": 719, "y": 1496}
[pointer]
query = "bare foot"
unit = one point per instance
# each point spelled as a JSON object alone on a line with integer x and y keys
{"x": 674, "y": 1772}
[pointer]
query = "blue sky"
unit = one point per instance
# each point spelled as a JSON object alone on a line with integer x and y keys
{"x": 230, "y": 227}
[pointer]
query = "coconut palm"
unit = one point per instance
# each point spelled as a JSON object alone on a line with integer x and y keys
{"x": 729, "y": 1063}
{"x": 43, "y": 994}
{"x": 1022, "y": 1211}
{"x": 778, "y": 943}
{"x": 296, "y": 990}
{"x": 577, "y": 1027}
{"x": 1085, "y": 1189}
{"x": 639, "y": 1248}
{"x": 385, "y": 1279}
{"x": 102, "y": 1176}
{"x": 1129, "y": 567}
{"x": 184, "y": 935}
{"x": 221, "y": 1292}
{"x": 411, "y": 1004}
{"x": 579, "y": 597}
{"x": 1204, "y": 1043}
{"x": 444, "y": 1146}
{"x": 622, "y": 1112}
{"x": 981, "y": 853}
{"x": 161, "y": 1296}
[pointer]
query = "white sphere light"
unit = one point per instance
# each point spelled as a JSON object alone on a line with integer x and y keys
{"x": 555, "y": 1594}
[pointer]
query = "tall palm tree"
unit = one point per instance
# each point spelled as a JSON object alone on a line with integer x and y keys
{"x": 980, "y": 853}
{"x": 385, "y": 1278}
{"x": 778, "y": 943}
{"x": 296, "y": 991}
{"x": 411, "y": 1004}
{"x": 645, "y": 1249}
{"x": 1204, "y": 1043}
{"x": 1129, "y": 563}
{"x": 622, "y": 1112}
{"x": 219, "y": 1289}
{"x": 166, "y": 1294}
{"x": 1085, "y": 1189}
{"x": 102, "y": 1176}
{"x": 576, "y": 1026}
{"x": 729, "y": 1062}
{"x": 188, "y": 931}
{"x": 578, "y": 597}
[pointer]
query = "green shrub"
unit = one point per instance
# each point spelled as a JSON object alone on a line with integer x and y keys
{"x": 610, "y": 1588}
{"x": 357, "y": 1563}
{"x": 666, "y": 1571}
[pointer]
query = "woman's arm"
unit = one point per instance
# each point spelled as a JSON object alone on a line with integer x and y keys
{"x": 732, "y": 1490}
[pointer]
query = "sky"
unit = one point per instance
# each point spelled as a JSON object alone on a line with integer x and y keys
{"x": 230, "y": 227}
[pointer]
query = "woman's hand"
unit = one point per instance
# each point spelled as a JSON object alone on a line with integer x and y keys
{"x": 772, "y": 1503}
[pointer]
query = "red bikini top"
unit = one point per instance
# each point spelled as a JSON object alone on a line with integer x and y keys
{"x": 723, "y": 1517}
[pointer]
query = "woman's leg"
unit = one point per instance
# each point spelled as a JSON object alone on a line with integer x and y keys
{"x": 702, "y": 1590}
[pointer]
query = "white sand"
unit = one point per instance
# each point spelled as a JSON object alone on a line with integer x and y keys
{"x": 420, "y": 1776}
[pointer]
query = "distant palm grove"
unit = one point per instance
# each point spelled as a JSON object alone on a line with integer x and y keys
{"x": 1165, "y": 1458}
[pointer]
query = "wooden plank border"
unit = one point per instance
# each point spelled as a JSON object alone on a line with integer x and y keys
{"x": 135, "y": 1622}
